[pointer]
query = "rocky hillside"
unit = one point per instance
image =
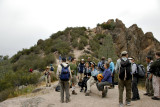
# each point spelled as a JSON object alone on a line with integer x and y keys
{"x": 107, "y": 39}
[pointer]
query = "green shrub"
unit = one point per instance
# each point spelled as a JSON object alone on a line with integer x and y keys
{"x": 75, "y": 43}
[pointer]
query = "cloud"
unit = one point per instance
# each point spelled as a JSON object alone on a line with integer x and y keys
{"x": 23, "y": 22}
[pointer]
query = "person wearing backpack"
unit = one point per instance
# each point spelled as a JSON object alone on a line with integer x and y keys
{"x": 148, "y": 84}
{"x": 107, "y": 80}
{"x": 81, "y": 68}
{"x": 123, "y": 67}
{"x": 47, "y": 76}
{"x": 135, "y": 92}
{"x": 64, "y": 74}
{"x": 92, "y": 79}
{"x": 101, "y": 65}
{"x": 112, "y": 69}
{"x": 73, "y": 67}
{"x": 155, "y": 69}
{"x": 51, "y": 68}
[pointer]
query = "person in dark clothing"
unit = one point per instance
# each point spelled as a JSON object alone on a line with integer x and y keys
{"x": 87, "y": 74}
{"x": 135, "y": 91}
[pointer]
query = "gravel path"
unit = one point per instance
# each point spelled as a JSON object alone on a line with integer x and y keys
{"x": 49, "y": 98}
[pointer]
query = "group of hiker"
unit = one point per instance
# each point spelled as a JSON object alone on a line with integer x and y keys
{"x": 87, "y": 73}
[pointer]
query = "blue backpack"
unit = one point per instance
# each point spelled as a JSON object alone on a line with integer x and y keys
{"x": 52, "y": 69}
{"x": 65, "y": 73}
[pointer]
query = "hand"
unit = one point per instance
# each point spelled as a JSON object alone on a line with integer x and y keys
{"x": 112, "y": 74}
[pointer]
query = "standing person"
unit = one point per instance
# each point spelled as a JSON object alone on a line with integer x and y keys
{"x": 73, "y": 68}
{"x": 60, "y": 58}
{"x": 87, "y": 75}
{"x": 81, "y": 68}
{"x": 107, "y": 80}
{"x": 51, "y": 68}
{"x": 47, "y": 76}
{"x": 101, "y": 65}
{"x": 155, "y": 69}
{"x": 135, "y": 92}
{"x": 92, "y": 79}
{"x": 89, "y": 61}
{"x": 149, "y": 86}
{"x": 64, "y": 74}
{"x": 124, "y": 69}
{"x": 112, "y": 69}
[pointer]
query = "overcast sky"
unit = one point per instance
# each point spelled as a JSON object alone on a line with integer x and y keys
{"x": 24, "y": 22}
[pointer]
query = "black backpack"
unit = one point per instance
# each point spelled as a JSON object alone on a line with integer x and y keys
{"x": 125, "y": 67}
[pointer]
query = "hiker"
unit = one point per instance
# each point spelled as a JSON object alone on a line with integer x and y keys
{"x": 92, "y": 79}
{"x": 89, "y": 61}
{"x": 73, "y": 68}
{"x": 135, "y": 92}
{"x": 112, "y": 69}
{"x": 123, "y": 66}
{"x": 107, "y": 80}
{"x": 101, "y": 65}
{"x": 81, "y": 68}
{"x": 64, "y": 74}
{"x": 149, "y": 86}
{"x": 30, "y": 70}
{"x": 155, "y": 69}
{"x": 47, "y": 76}
{"x": 51, "y": 68}
{"x": 60, "y": 58}
{"x": 87, "y": 74}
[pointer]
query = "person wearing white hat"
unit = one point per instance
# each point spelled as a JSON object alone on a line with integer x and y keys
{"x": 47, "y": 76}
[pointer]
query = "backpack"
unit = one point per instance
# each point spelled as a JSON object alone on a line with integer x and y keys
{"x": 58, "y": 88}
{"x": 65, "y": 73}
{"x": 81, "y": 67}
{"x": 52, "y": 69}
{"x": 140, "y": 70}
{"x": 125, "y": 70}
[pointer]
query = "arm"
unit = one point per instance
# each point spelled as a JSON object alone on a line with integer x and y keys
{"x": 70, "y": 72}
{"x": 105, "y": 76}
{"x": 112, "y": 65}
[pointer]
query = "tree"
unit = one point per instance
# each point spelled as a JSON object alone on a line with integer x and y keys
{"x": 107, "y": 50}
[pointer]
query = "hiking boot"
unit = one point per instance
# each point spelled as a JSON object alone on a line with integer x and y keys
{"x": 74, "y": 93}
{"x": 150, "y": 95}
{"x": 138, "y": 98}
{"x": 121, "y": 105}
{"x": 85, "y": 90}
{"x": 81, "y": 90}
{"x": 155, "y": 98}
{"x": 87, "y": 94}
{"x": 103, "y": 94}
{"x": 134, "y": 99}
{"x": 67, "y": 101}
{"x": 128, "y": 103}
{"x": 62, "y": 101}
{"x": 146, "y": 93}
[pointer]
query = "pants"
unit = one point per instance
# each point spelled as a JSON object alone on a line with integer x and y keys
{"x": 134, "y": 88}
{"x": 90, "y": 82}
{"x": 100, "y": 85}
{"x": 149, "y": 86}
{"x": 80, "y": 76}
{"x": 113, "y": 79}
{"x": 121, "y": 85}
{"x": 64, "y": 88}
{"x": 48, "y": 80}
{"x": 156, "y": 86}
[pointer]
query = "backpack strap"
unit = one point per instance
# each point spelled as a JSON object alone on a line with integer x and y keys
{"x": 64, "y": 67}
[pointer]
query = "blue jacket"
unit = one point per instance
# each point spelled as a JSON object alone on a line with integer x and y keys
{"x": 111, "y": 66}
{"x": 107, "y": 76}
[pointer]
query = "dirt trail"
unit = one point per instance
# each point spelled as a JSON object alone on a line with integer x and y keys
{"x": 49, "y": 98}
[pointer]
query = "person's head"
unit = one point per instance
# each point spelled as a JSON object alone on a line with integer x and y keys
{"x": 82, "y": 60}
{"x": 93, "y": 64}
{"x": 106, "y": 65}
{"x": 51, "y": 65}
{"x": 64, "y": 59}
{"x": 157, "y": 55}
{"x": 132, "y": 59}
{"x": 149, "y": 58}
{"x": 47, "y": 68}
{"x": 124, "y": 54}
{"x": 109, "y": 60}
{"x": 72, "y": 60}
{"x": 103, "y": 58}
{"x": 87, "y": 64}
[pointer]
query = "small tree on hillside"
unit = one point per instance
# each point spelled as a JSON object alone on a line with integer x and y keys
{"x": 107, "y": 49}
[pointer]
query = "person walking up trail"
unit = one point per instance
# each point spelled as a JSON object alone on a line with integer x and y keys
{"x": 124, "y": 69}
{"x": 92, "y": 79}
{"x": 135, "y": 92}
{"x": 107, "y": 80}
{"x": 149, "y": 86}
{"x": 47, "y": 74}
{"x": 73, "y": 68}
{"x": 64, "y": 74}
{"x": 155, "y": 69}
{"x": 112, "y": 69}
